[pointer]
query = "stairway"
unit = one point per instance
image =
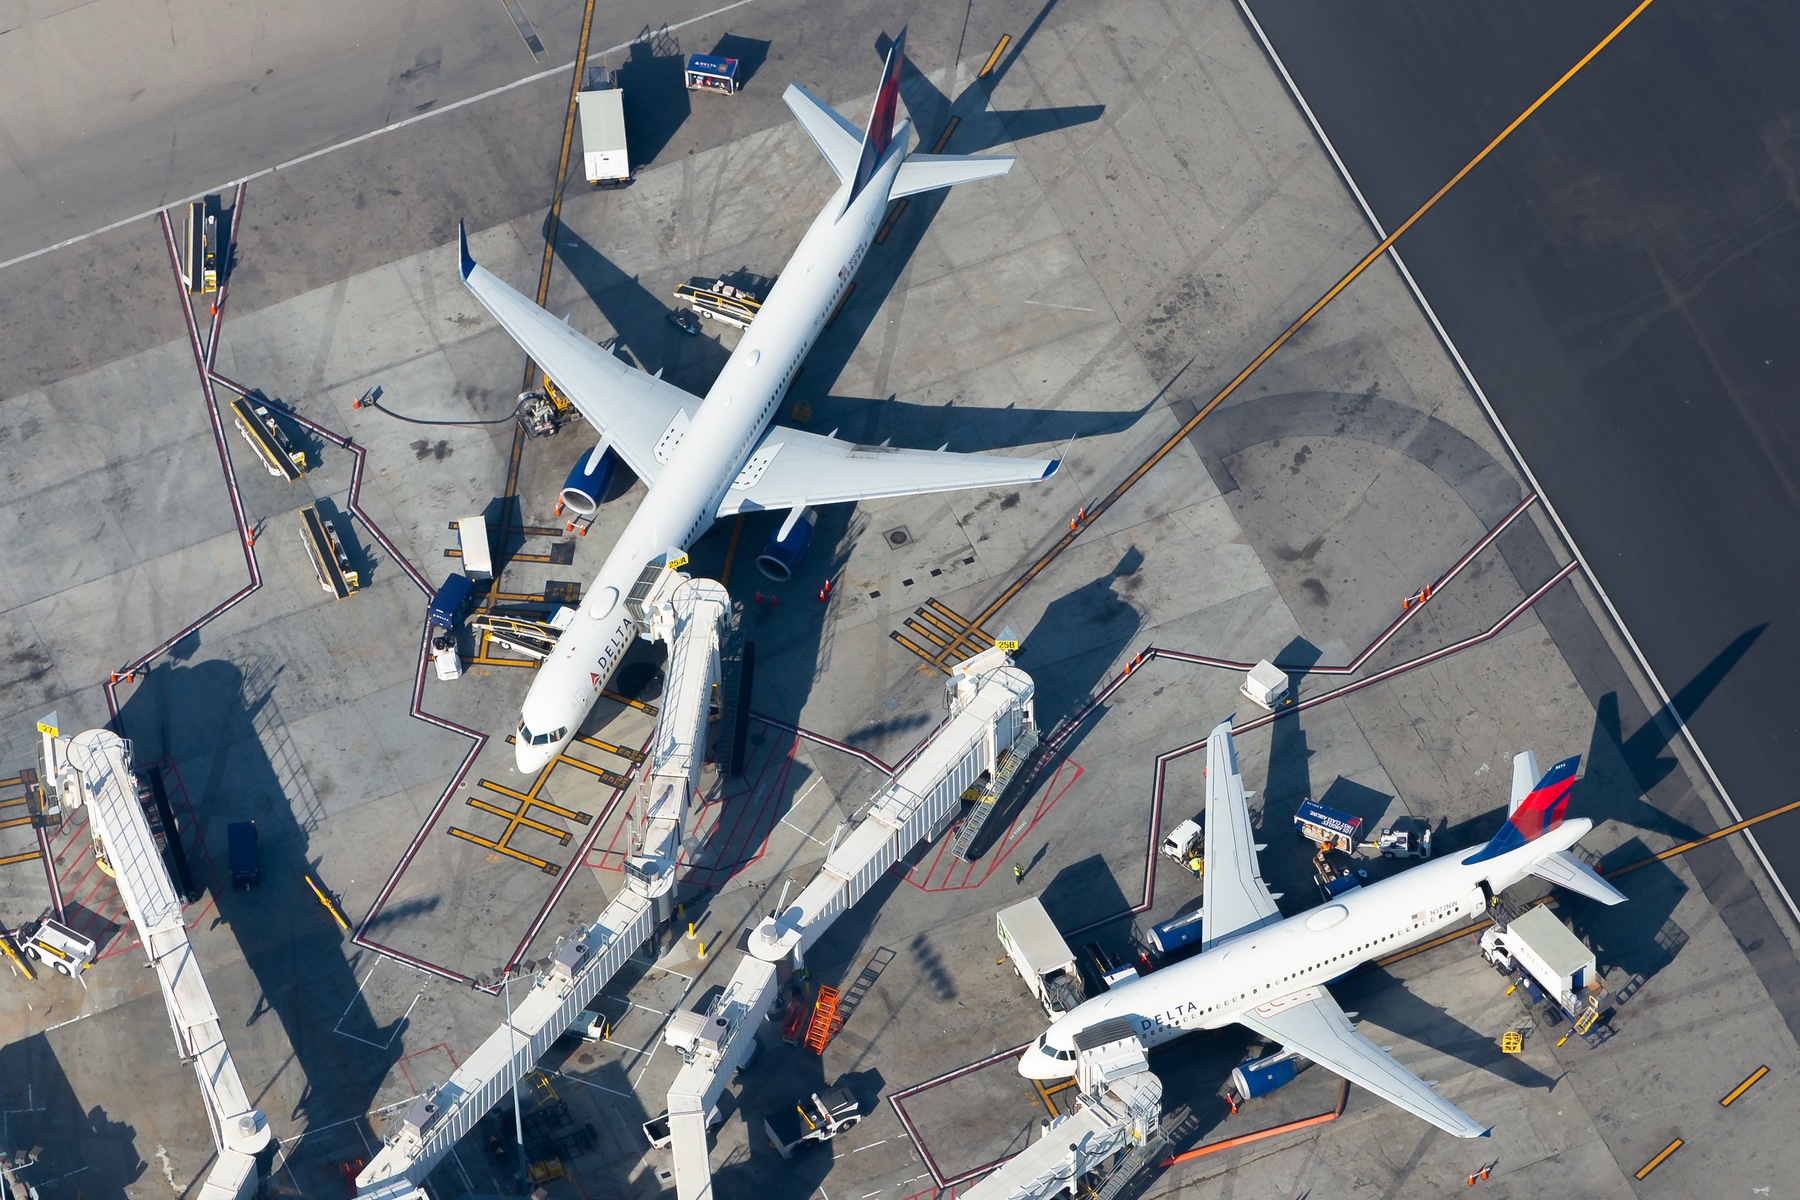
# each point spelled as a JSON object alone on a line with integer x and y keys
{"x": 1005, "y": 771}
{"x": 825, "y": 1023}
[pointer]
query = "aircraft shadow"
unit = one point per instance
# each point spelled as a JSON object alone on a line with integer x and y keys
{"x": 1374, "y": 991}
{"x": 966, "y": 428}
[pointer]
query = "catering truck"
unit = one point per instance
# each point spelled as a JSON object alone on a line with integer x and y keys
{"x": 603, "y": 150}
{"x": 1044, "y": 960}
{"x": 1539, "y": 946}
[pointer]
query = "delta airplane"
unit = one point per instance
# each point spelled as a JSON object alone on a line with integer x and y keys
{"x": 711, "y": 458}
{"x": 1269, "y": 973}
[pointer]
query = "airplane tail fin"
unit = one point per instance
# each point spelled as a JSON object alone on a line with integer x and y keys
{"x": 855, "y": 154}
{"x": 1525, "y": 776}
{"x": 1541, "y": 810}
{"x": 880, "y": 133}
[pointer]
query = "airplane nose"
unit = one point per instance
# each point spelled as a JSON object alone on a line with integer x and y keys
{"x": 532, "y": 759}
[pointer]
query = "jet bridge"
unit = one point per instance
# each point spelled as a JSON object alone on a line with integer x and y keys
{"x": 94, "y": 768}
{"x": 990, "y": 702}
{"x": 690, "y": 615}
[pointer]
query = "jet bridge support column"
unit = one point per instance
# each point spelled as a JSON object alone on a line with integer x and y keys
{"x": 990, "y": 702}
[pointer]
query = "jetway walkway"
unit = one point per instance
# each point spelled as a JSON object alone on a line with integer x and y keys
{"x": 991, "y": 706}
{"x": 94, "y": 768}
{"x": 1114, "y": 1130}
{"x": 690, "y": 615}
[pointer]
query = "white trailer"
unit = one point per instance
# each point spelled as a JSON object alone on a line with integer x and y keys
{"x": 1044, "y": 960}
{"x": 603, "y": 150}
{"x": 1542, "y": 946}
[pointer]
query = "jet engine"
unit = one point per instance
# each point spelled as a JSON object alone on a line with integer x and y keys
{"x": 588, "y": 479}
{"x": 787, "y": 545}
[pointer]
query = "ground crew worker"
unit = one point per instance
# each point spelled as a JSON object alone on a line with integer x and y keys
{"x": 1018, "y": 873}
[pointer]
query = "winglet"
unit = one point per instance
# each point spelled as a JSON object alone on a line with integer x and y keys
{"x": 1050, "y": 470}
{"x": 467, "y": 265}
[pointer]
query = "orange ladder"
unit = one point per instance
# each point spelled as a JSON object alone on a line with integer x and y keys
{"x": 824, "y": 1024}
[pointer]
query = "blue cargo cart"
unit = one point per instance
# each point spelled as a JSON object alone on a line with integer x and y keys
{"x": 1327, "y": 826}
{"x": 708, "y": 74}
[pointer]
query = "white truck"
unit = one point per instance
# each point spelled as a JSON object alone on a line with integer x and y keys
{"x": 1543, "y": 948}
{"x": 1044, "y": 960}
{"x": 603, "y": 150}
{"x": 1186, "y": 844}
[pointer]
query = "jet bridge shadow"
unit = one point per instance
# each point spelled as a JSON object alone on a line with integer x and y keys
{"x": 204, "y": 716}
{"x": 42, "y": 1110}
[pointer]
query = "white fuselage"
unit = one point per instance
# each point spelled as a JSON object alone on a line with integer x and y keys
{"x": 1261, "y": 968}
{"x": 711, "y": 454}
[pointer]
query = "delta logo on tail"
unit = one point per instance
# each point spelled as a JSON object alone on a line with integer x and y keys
{"x": 1540, "y": 812}
{"x": 881, "y": 118}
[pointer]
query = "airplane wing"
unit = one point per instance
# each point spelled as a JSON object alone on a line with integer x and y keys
{"x": 1236, "y": 900}
{"x": 1311, "y": 1024}
{"x": 790, "y": 467}
{"x": 643, "y": 416}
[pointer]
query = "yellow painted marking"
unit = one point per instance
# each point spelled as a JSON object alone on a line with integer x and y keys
{"x": 10, "y": 859}
{"x": 628, "y": 702}
{"x": 1656, "y": 1162}
{"x": 945, "y": 136}
{"x": 546, "y": 867}
{"x": 999, "y": 49}
{"x": 610, "y": 778}
{"x": 636, "y": 756}
{"x": 491, "y": 786}
{"x": 16, "y": 821}
{"x": 516, "y": 819}
{"x": 929, "y": 658}
{"x": 881, "y": 236}
{"x": 737, "y": 531}
{"x": 974, "y": 630}
{"x": 1745, "y": 1086}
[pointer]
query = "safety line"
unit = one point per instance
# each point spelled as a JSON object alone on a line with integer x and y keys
{"x": 1381, "y": 248}
{"x": 1663, "y": 1155}
{"x": 1740, "y": 1089}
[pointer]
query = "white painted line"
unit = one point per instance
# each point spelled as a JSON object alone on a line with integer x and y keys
{"x": 84, "y": 1016}
{"x": 597, "y": 1087}
{"x": 809, "y": 837}
{"x": 357, "y": 140}
{"x": 870, "y": 1146}
{"x": 1039, "y": 303}
{"x": 1519, "y": 459}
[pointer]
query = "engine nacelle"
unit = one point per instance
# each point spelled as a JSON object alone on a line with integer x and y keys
{"x": 783, "y": 554}
{"x": 588, "y": 480}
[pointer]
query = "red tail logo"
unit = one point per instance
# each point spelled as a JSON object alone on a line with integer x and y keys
{"x": 880, "y": 133}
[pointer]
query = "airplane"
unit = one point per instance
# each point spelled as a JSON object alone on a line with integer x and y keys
{"x": 1259, "y": 969}
{"x": 711, "y": 458}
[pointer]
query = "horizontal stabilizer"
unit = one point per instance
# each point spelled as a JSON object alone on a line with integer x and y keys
{"x": 1566, "y": 871}
{"x": 837, "y": 139}
{"x": 928, "y": 172}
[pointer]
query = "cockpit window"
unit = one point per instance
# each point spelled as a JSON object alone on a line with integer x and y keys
{"x": 524, "y": 734}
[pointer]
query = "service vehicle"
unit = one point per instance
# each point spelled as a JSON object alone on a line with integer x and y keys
{"x": 1538, "y": 945}
{"x": 708, "y": 74}
{"x": 472, "y": 541}
{"x": 1043, "y": 959}
{"x": 685, "y": 320}
{"x": 721, "y": 301}
{"x": 444, "y": 657}
{"x": 1409, "y": 837}
{"x": 48, "y": 940}
{"x": 816, "y": 1120}
{"x": 604, "y": 154}
{"x": 326, "y": 549}
{"x": 1327, "y": 826}
{"x": 1186, "y": 844}
{"x": 266, "y": 436}
{"x": 1336, "y": 872}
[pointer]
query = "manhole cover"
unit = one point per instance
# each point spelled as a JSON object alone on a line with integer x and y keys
{"x": 897, "y": 538}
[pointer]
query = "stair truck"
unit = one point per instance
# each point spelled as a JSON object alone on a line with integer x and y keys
{"x": 1043, "y": 959}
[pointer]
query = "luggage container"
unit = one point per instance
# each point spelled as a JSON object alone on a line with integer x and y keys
{"x": 708, "y": 74}
{"x": 1327, "y": 826}
{"x": 1177, "y": 937}
{"x": 451, "y": 602}
{"x": 246, "y": 858}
